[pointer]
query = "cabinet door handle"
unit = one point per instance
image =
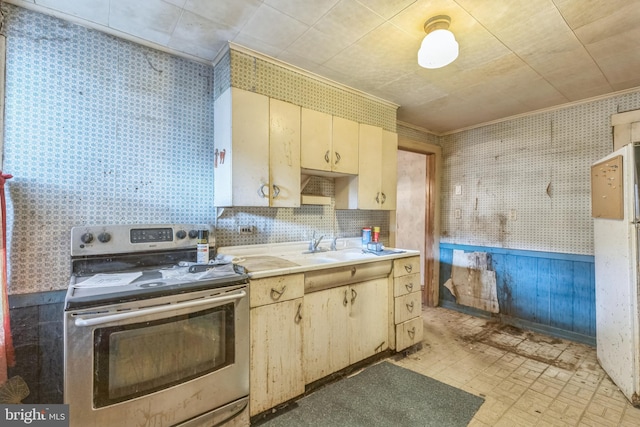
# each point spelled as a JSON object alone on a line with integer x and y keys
{"x": 345, "y": 301}
{"x": 384, "y": 198}
{"x": 276, "y": 191}
{"x": 412, "y": 332}
{"x": 276, "y": 295}
{"x": 408, "y": 268}
{"x": 337, "y": 158}
{"x": 326, "y": 156}
{"x": 261, "y": 192}
{"x": 378, "y": 197}
{"x": 409, "y": 287}
{"x": 354, "y": 294}
{"x": 410, "y": 307}
{"x": 298, "y": 317}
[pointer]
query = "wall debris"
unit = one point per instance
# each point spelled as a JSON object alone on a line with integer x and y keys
{"x": 472, "y": 283}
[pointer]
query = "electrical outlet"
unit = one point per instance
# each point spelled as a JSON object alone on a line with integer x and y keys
{"x": 246, "y": 229}
{"x": 457, "y": 213}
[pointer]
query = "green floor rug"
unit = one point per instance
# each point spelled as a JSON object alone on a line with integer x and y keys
{"x": 381, "y": 395}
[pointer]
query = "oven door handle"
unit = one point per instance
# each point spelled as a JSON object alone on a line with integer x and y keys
{"x": 159, "y": 309}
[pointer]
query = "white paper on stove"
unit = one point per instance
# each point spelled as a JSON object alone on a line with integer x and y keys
{"x": 103, "y": 280}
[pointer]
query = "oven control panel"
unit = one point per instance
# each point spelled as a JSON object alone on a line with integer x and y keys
{"x": 120, "y": 238}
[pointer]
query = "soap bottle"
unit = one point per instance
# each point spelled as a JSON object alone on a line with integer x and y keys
{"x": 202, "y": 248}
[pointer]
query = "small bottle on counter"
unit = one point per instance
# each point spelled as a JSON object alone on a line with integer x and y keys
{"x": 366, "y": 237}
{"x": 376, "y": 234}
{"x": 202, "y": 248}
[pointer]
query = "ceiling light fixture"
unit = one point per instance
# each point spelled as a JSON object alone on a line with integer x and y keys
{"x": 439, "y": 47}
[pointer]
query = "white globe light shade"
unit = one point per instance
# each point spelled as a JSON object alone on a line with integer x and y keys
{"x": 439, "y": 48}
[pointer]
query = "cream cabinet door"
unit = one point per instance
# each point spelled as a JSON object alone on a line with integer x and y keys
{"x": 284, "y": 154}
{"x": 316, "y": 129}
{"x": 345, "y": 141}
{"x": 368, "y": 319}
{"x": 241, "y": 165}
{"x": 370, "y": 159}
{"x": 276, "y": 373}
{"x": 326, "y": 332}
{"x": 388, "y": 170}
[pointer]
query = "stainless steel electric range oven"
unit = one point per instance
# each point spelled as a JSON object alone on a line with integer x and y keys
{"x": 151, "y": 338}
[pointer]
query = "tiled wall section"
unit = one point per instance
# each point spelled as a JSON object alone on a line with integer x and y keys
{"x": 104, "y": 131}
{"x": 525, "y": 183}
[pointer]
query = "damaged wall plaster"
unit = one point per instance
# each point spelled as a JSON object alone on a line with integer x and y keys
{"x": 472, "y": 282}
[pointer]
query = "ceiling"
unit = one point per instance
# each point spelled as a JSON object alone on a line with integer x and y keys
{"x": 515, "y": 57}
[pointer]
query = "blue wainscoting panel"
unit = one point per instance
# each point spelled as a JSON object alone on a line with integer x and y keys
{"x": 547, "y": 291}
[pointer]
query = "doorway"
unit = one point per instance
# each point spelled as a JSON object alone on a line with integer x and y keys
{"x": 416, "y": 218}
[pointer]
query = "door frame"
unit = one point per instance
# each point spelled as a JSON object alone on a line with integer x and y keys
{"x": 431, "y": 267}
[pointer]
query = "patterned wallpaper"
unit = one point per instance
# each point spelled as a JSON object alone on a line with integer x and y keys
{"x": 525, "y": 183}
{"x": 267, "y": 78}
{"x": 103, "y": 131}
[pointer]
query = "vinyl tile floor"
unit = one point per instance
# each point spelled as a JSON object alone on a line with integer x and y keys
{"x": 526, "y": 378}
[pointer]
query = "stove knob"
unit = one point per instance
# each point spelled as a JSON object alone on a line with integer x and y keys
{"x": 104, "y": 237}
{"x": 86, "y": 238}
{"x": 193, "y": 234}
{"x": 181, "y": 234}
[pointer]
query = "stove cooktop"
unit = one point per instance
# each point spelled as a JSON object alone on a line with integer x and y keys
{"x": 118, "y": 287}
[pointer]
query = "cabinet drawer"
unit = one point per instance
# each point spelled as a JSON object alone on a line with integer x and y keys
{"x": 407, "y": 307}
{"x": 404, "y": 266}
{"x": 406, "y": 284}
{"x": 275, "y": 289}
{"x": 408, "y": 333}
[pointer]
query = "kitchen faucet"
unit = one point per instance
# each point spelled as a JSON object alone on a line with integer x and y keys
{"x": 334, "y": 242}
{"x": 313, "y": 244}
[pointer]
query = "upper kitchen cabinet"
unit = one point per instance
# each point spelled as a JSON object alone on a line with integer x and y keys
{"x": 375, "y": 186}
{"x": 329, "y": 144}
{"x": 257, "y": 151}
{"x": 284, "y": 155}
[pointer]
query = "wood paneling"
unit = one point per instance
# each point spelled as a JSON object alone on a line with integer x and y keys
{"x": 554, "y": 290}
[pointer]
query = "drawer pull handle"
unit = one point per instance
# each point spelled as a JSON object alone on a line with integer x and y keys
{"x": 276, "y": 295}
{"x": 298, "y": 317}
{"x": 408, "y": 268}
{"x": 412, "y": 332}
{"x": 409, "y": 286}
{"x": 410, "y": 307}
{"x": 345, "y": 301}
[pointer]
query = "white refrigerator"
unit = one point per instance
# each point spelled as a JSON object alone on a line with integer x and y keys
{"x": 616, "y": 212}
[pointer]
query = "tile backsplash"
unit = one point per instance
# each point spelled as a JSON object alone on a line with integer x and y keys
{"x": 99, "y": 130}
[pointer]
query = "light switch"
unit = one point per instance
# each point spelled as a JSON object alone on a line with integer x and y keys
{"x": 458, "y": 189}
{"x": 457, "y": 214}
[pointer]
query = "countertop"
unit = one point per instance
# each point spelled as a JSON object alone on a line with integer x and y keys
{"x": 277, "y": 259}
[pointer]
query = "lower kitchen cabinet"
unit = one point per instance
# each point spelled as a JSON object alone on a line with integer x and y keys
{"x": 407, "y": 302}
{"x": 344, "y": 325}
{"x": 326, "y": 336}
{"x": 276, "y": 372}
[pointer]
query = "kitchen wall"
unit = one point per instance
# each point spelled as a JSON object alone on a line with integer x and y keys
{"x": 99, "y": 130}
{"x": 525, "y": 200}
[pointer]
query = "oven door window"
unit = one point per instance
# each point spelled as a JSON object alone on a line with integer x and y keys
{"x": 141, "y": 358}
